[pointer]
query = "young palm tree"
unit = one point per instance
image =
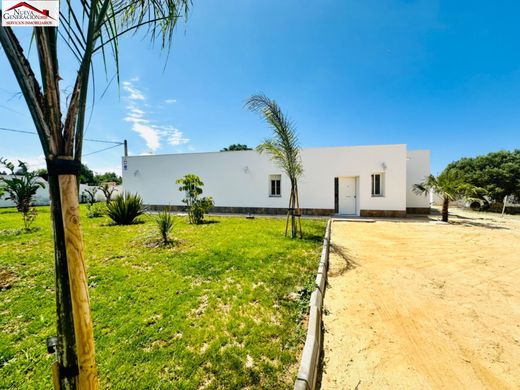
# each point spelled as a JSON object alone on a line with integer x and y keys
{"x": 87, "y": 28}
{"x": 284, "y": 151}
{"x": 449, "y": 186}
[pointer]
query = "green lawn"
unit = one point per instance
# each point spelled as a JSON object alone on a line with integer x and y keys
{"x": 211, "y": 312}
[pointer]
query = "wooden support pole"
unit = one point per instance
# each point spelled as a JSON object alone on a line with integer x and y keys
{"x": 83, "y": 329}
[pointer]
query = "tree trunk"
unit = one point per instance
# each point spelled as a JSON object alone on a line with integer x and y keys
{"x": 83, "y": 329}
{"x": 445, "y": 206}
{"x": 65, "y": 348}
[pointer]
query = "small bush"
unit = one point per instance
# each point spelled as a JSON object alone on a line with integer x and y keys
{"x": 191, "y": 185}
{"x": 96, "y": 210}
{"x": 164, "y": 222}
{"x": 124, "y": 209}
{"x": 200, "y": 207}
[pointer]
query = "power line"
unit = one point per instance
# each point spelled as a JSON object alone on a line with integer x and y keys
{"x": 85, "y": 139}
{"x": 102, "y": 150}
{"x": 17, "y": 131}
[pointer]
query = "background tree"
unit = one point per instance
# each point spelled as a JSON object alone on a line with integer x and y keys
{"x": 284, "y": 151}
{"x": 108, "y": 177}
{"x": 196, "y": 206}
{"x": 497, "y": 172}
{"x": 235, "y": 147}
{"x": 87, "y": 176}
{"x": 21, "y": 187}
{"x": 107, "y": 191}
{"x": 450, "y": 187}
{"x": 91, "y": 195}
{"x": 88, "y": 28}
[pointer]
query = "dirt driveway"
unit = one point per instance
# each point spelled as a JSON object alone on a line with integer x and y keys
{"x": 421, "y": 304}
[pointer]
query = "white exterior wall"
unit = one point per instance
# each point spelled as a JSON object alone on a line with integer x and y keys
{"x": 417, "y": 169}
{"x": 241, "y": 178}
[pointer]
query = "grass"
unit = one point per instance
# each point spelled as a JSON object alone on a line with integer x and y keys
{"x": 212, "y": 311}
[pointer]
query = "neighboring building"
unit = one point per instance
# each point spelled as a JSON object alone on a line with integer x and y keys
{"x": 350, "y": 180}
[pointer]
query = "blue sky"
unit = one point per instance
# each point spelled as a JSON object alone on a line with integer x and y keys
{"x": 438, "y": 75}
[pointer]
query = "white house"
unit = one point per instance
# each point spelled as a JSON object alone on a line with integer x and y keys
{"x": 351, "y": 180}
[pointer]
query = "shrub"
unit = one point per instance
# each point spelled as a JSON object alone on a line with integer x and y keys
{"x": 164, "y": 222}
{"x": 191, "y": 185}
{"x": 199, "y": 207}
{"x": 124, "y": 209}
{"x": 96, "y": 210}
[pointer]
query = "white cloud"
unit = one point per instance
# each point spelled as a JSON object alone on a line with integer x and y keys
{"x": 147, "y": 129}
{"x": 33, "y": 162}
{"x": 134, "y": 93}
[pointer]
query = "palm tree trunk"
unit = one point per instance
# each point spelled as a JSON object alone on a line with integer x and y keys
{"x": 66, "y": 341}
{"x": 83, "y": 328}
{"x": 445, "y": 206}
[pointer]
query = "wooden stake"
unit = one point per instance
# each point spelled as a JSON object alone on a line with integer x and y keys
{"x": 83, "y": 328}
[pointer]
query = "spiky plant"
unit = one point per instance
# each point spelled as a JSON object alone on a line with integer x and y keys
{"x": 87, "y": 29}
{"x": 450, "y": 187}
{"x": 283, "y": 149}
{"x": 124, "y": 209}
{"x": 164, "y": 222}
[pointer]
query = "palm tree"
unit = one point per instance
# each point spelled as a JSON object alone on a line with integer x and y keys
{"x": 284, "y": 150}
{"x": 87, "y": 28}
{"x": 21, "y": 187}
{"x": 450, "y": 187}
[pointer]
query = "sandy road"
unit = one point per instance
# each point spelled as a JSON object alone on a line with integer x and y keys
{"x": 420, "y": 305}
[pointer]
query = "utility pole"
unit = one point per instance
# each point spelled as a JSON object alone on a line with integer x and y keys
{"x": 126, "y": 148}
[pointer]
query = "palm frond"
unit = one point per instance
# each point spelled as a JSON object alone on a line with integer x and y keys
{"x": 283, "y": 147}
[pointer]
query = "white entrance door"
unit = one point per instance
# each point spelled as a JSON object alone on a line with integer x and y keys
{"x": 347, "y": 195}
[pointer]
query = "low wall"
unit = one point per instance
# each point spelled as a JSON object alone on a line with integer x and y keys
{"x": 418, "y": 210}
{"x": 308, "y": 371}
{"x": 383, "y": 213}
{"x": 247, "y": 210}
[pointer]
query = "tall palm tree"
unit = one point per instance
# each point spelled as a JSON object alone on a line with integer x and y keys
{"x": 87, "y": 28}
{"x": 449, "y": 186}
{"x": 284, "y": 150}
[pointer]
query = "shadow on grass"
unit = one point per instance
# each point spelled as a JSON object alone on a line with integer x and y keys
{"x": 210, "y": 222}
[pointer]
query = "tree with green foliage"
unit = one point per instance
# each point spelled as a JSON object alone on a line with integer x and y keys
{"x": 497, "y": 172}
{"x": 21, "y": 187}
{"x": 196, "y": 206}
{"x": 87, "y": 28}
{"x": 108, "y": 177}
{"x": 284, "y": 151}
{"x": 450, "y": 186}
{"x": 235, "y": 147}
{"x": 89, "y": 177}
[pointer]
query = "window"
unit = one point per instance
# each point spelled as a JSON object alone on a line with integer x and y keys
{"x": 377, "y": 184}
{"x": 275, "y": 185}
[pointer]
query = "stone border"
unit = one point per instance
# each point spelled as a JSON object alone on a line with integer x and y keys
{"x": 308, "y": 371}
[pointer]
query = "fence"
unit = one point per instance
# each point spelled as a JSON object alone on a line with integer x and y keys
{"x": 308, "y": 371}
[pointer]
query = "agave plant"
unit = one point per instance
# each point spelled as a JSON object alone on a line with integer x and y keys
{"x": 124, "y": 209}
{"x": 164, "y": 222}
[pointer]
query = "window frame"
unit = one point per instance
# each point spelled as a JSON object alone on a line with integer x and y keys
{"x": 275, "y": 178}
{"x": 381, "y": 193}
